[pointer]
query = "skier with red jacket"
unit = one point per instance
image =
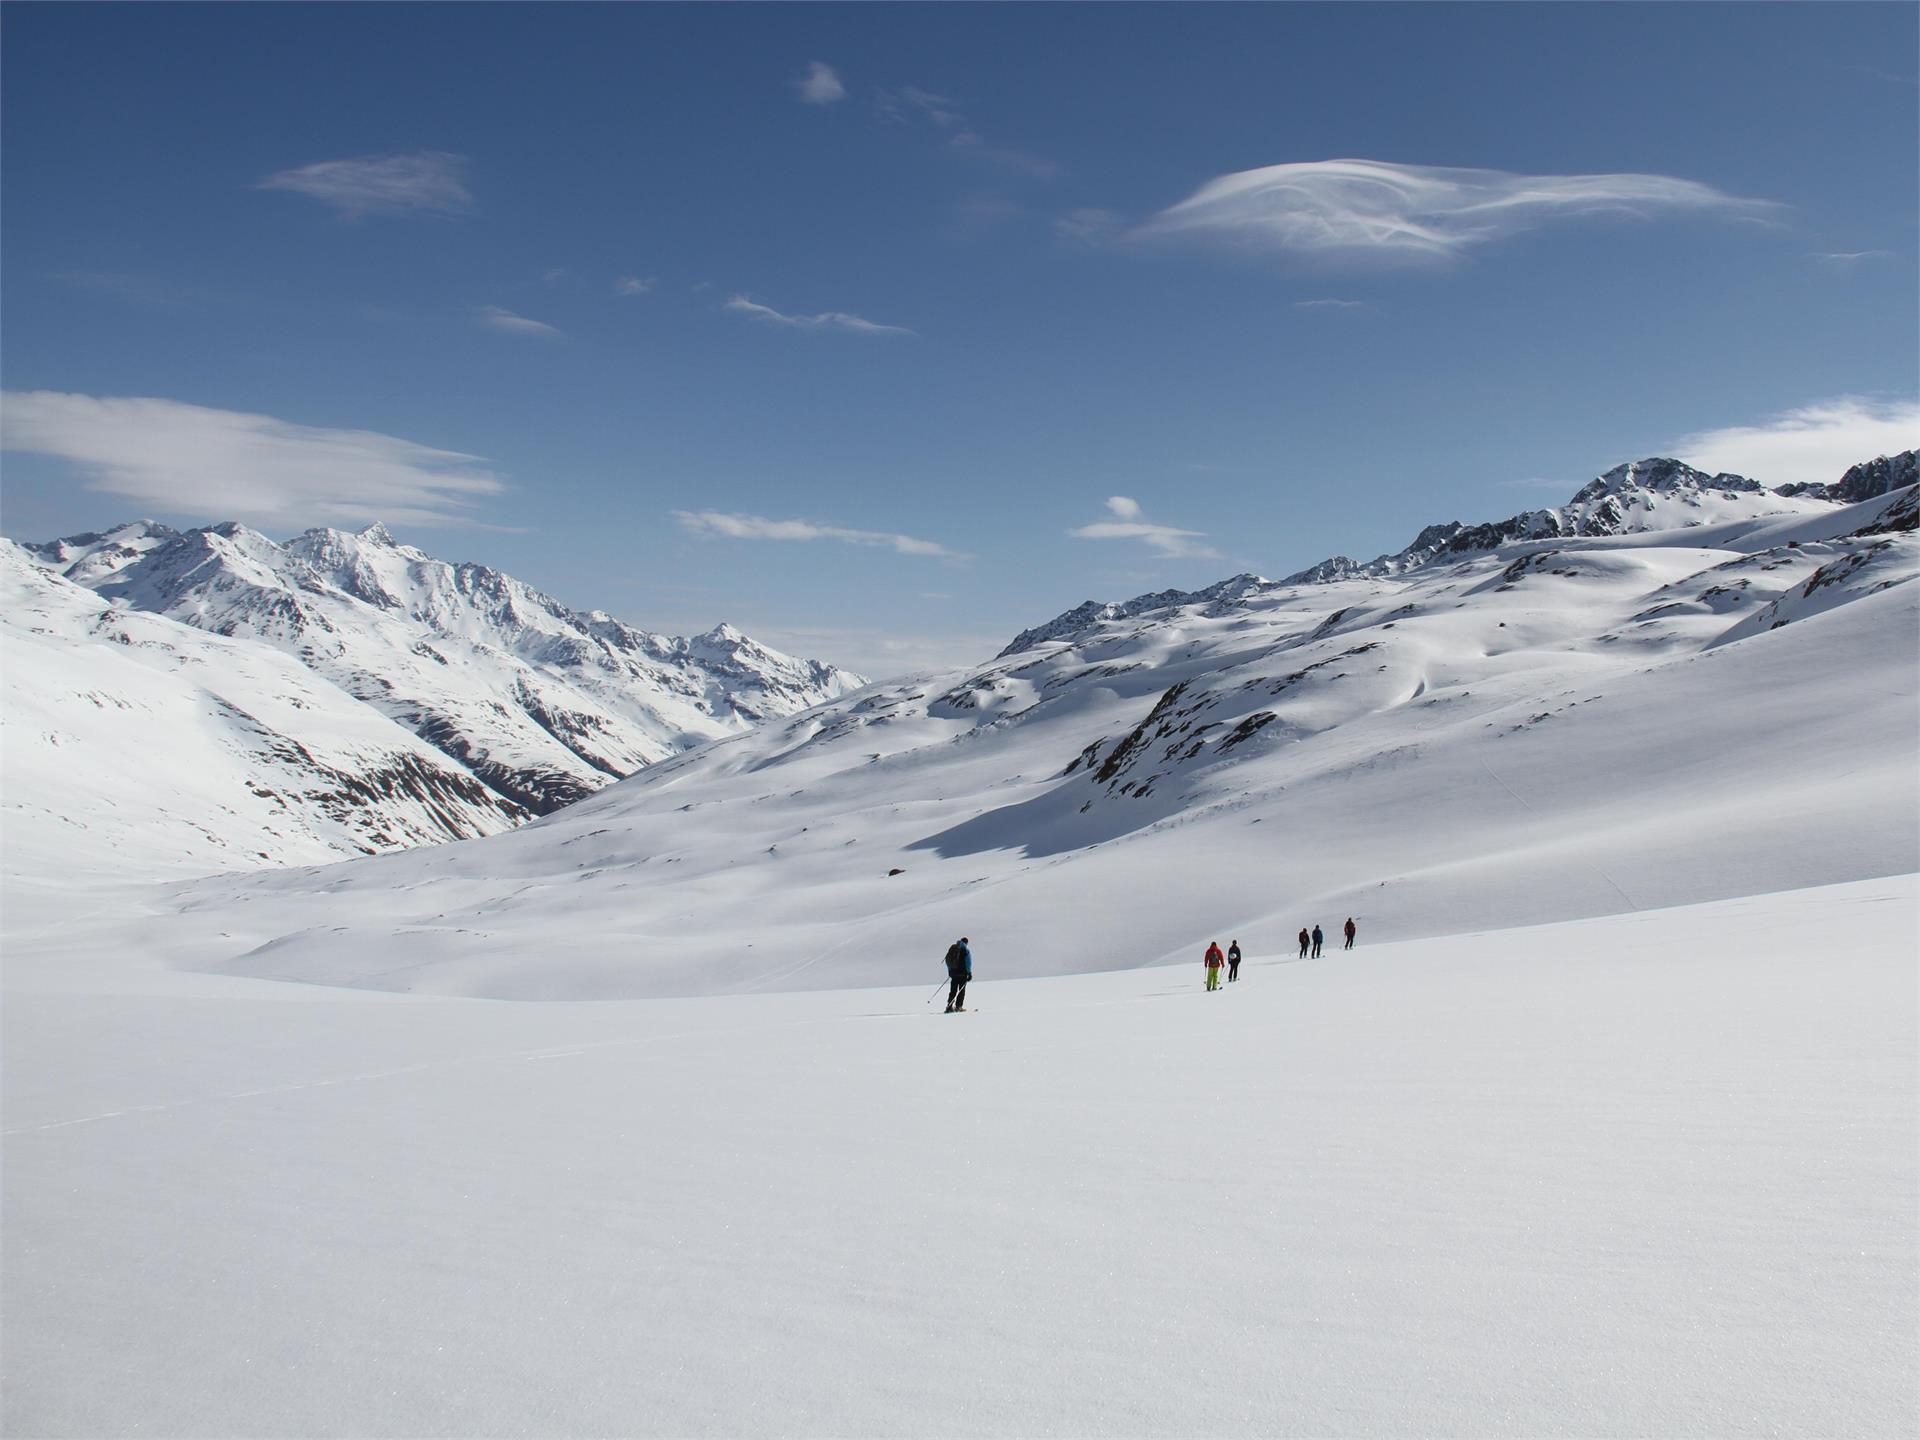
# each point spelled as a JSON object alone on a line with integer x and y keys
{"x": 1214, "y": 961}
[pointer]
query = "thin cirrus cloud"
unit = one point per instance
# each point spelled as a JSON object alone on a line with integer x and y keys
{"x": 826, "y": 320}
{"x": 423, "y": 182}
{"x": 181, "y": 459}
{"x": 1817, "y": 442}
{"x": 820, "y": 85}
{"x": 633, "y": 285}
{"x": 498, "y": 317}
{"x": 717, "y": 524}
{"x": 1129, "y": 523}
{"x": 1088, "y": 225}
{"x": 909, "y": 104}
{"x": 1408, "y": 212}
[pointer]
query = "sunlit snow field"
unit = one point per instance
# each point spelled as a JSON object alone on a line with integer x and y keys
{"x": 1649, "y": 1175}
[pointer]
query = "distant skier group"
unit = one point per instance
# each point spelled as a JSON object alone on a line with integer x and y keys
{"x": 1215, "y": 960}
{"x": 960, "y": 961}
{"x": 1310, "y": 943}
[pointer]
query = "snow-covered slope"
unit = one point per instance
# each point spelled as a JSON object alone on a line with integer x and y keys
{"x": 134, "y": 746}
{"x": 1647, "y": 1175}
{"x": 1552, "y": 728}
{"x": 541, "y": 704}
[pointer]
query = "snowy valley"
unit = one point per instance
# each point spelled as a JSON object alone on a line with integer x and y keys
{"x": 1552, "y": 728}
{"x": 1604, "y": 1128}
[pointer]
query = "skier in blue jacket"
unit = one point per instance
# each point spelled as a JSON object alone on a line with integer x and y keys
{"x": 959, "y": 972}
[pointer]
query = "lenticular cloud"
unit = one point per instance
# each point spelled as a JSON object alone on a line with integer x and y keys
{"x": 1410, "y": 210}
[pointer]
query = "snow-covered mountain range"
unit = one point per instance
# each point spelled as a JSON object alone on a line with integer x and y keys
{"x": 138, "y": 746}
{"x": 499, "y": 701}
{"x": 1645, "y": 495}
{"x": 1597, "y": 713}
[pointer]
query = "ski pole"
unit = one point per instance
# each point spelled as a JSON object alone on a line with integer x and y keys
{"x": 936, "y": 990}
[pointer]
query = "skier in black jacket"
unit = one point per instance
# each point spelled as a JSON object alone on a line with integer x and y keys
{"x": 959, "y": 972}
{"x": 1318, "y": 938}
{"x": 1233, "y": 961}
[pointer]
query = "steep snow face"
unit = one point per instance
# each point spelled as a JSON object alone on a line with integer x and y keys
{"x": 134, "y": 746}
{"x": 1551, "y": 729}
{"x": 1635, "y": 498}
{"x": 540, "y": 704}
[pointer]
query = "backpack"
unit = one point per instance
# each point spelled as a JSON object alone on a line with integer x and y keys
{"x": 956, "y": 958}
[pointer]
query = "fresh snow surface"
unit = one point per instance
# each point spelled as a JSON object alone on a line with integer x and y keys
{"x": 1552, "y": 729}
{"x": 1644, "y": 1175}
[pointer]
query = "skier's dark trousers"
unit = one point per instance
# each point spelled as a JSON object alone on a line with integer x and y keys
{"x": 1233, "y": 961}
{"x": 959, "y": 972}
{"x": 1318, "y": 939}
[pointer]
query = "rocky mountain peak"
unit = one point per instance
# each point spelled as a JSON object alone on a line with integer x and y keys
{"x": 1657, "y": 493}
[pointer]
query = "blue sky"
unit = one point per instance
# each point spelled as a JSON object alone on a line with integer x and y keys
{"x": 840, "y": 322}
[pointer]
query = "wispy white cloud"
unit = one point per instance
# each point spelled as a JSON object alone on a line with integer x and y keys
{"x": 720, "y": 524}
{"x": 1844, "y": 258}
{"x": 820, "y": 85}
{"x": 1331, "y": 304}
{"x": 1129, "y": 524}
{"x": 1000, "y": 157}
{"x": 826, "y": 320}
{"x": 910, "y": 104}
{"x": 1088, "y": 225}
{"x": 1359, "y": 207}
{"x": 1814, "y": 442}
{"x": 425, "y": 182}
{"x": 181, "y": 459}
{"x": 633, "y": 285}
{"x": 498, "y": 317}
